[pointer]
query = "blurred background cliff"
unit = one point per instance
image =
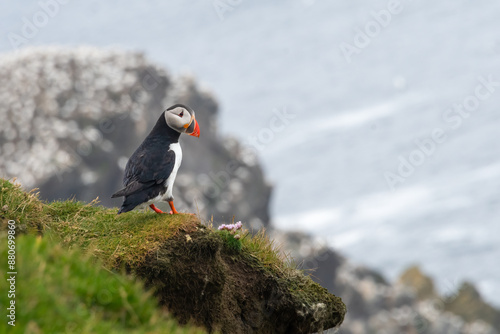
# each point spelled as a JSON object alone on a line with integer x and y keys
{"x": 334, "y": 105}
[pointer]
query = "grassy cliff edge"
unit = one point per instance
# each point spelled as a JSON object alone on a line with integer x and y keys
{"x": 199, "y": 274}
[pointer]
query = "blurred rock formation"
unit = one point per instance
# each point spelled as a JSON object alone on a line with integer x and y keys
{"x": 71, "y": 117}
{"x": 374, "y": 305}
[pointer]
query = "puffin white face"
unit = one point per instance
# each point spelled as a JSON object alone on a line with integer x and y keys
{"x": 182, "y": 119}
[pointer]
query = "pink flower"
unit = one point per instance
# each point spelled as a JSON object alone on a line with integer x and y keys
{"x": 231, "y": 227}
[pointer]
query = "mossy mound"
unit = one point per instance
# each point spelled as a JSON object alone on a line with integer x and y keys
{"x": 195, "y": 272}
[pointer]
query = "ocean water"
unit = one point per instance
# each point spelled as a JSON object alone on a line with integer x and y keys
{"x": 378, "y": 124}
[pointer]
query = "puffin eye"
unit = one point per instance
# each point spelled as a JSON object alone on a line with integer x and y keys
{"x": 181, "y": 114}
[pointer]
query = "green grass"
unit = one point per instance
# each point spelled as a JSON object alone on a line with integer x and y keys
{"x": 96, "y": 229}
{"x": 24, "y": 208}
{"x": 230, "y": 241}
{"x": 61, "y": 291}
{"x": 125, "y": 238}
{"x": 268, "y": 253}
{"x": 197, "y": 272}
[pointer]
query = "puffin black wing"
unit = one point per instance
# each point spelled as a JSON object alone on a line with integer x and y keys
{"x": 145, "y": 174}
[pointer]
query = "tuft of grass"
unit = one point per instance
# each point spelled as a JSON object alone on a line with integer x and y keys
{"x": 267, "y": 252}
{"x": 61, "y": 291}
{"x": 230, "y": 241}
{"x": 23, "y": 207}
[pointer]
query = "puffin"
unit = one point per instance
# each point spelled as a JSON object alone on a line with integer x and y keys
{"x": 150, "y": 172}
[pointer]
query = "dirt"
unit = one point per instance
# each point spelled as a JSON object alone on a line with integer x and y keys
{"x": 200, "y": 280}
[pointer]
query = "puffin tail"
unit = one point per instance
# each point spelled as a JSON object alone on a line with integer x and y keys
{"x": 126, "y": 207}
{"x": 131, "y": 201}
{"x": 123, "y": 209}
{"x": 120, "y": 193}
{"x": 132, "y": 188}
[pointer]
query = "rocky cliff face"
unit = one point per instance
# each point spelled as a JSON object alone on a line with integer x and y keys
{"x": 374, "y": 305}
{"x": 72, "y": 117}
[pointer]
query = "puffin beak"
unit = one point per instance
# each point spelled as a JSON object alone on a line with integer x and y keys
{"x": 196, "y": 132}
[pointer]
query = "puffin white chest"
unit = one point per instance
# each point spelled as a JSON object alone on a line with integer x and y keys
{"x": 169, "y": 183}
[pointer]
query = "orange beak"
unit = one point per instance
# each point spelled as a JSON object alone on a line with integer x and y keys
{"x": 196, "y": 132}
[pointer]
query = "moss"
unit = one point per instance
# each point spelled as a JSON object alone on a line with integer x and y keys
{"x": 199, "y": 274}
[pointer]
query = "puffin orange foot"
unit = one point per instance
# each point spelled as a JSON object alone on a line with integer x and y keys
{"x": 152, "y": 206}
{"x": 173, "y": 211}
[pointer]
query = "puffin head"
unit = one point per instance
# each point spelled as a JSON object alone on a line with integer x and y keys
{"x": 181, "y": 118}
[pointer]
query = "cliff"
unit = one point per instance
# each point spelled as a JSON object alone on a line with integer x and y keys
{"x": 199, "y": 274}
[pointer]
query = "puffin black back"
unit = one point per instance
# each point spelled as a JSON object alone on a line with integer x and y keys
{"x": 151, "y": 170}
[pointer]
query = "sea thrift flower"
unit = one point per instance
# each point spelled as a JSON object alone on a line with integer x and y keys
{"x": 231, "y": 227}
